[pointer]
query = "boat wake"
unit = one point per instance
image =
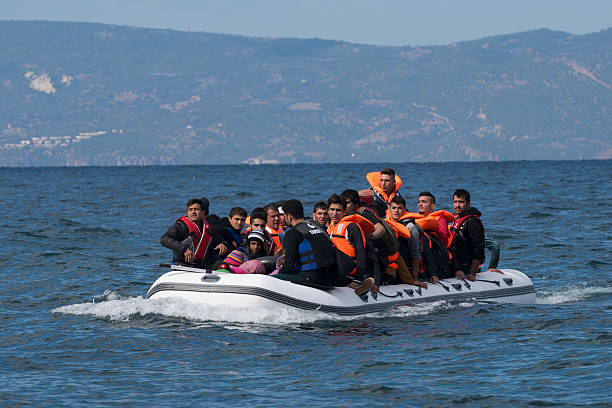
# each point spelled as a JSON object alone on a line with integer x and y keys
{"x": 571, "y": 294}
{"x": 117, "y": 308}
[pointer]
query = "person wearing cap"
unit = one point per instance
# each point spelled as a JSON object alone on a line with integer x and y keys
{"x": 252, "y": 248}
{"x": 384, "y": 185}
{"x": 309, "y": 253}
{"x": 257, "y": 220}
{"x": 191, "y": 238}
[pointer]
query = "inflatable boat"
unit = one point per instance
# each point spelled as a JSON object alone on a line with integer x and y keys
{"x": 224, "y": 289}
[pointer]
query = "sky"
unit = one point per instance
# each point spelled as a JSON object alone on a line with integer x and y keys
{"x": 380, "y": 22}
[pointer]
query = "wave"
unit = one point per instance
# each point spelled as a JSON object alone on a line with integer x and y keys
{"x": 118, "y": 308}
{"x": 573, "y": 294}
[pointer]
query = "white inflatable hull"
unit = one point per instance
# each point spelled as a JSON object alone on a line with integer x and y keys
{"x": 253, "y": 291}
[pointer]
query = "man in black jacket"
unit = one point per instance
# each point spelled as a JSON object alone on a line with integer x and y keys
{"x": 468, "y": 235}
{"x": 191, "y": 239}
{"x": 309, "y": 253}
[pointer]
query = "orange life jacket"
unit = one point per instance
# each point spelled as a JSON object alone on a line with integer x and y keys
{"x": 338, "y": 234}
{"x": 374, "y": 180}
{"x": 433, "y": 223}
{"x": 274, "y": 234}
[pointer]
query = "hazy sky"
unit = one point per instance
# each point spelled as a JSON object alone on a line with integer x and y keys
{"x": 391, "y": 22}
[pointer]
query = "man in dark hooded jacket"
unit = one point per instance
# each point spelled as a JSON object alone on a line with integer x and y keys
{"x": 468, "y": 243}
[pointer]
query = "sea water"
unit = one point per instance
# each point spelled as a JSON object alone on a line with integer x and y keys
{"x": 80, "y": 247}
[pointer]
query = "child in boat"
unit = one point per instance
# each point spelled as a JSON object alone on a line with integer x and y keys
{"x": 239, "y": 259}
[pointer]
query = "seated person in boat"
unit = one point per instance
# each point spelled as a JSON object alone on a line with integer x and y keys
{"x": 309, "y": 254}
{"x": 319, "y": 214}
{"x": 381, "y": 244}
{"x": 426, "y": 205}
{"x": 191, "y": 239}
{"x": 384, "y": 185}
{"x": 273, "y": 223}
{"x": 411, "y": 248}
{"x": 347, "y": 232}
{"x": 230, "y": 228}
{"x": 467, "y": 237}
{"x": 252, "y": 248}
{"x": 258, "y": 221}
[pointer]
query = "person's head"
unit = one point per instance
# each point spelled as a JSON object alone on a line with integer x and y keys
{"x": 319, "y": 213}
{"x": 461, "y": 201}
{"x": 194, "y": 209}
{"x": 397, "y": 208}
{"x": 256, "y": 239}
{"x": 387, "y": 180}
{"x": 294, "y": 211}
{"x": 336, "y": 207}
{"x": 236, "y": 218}
{"x": 426, "y": 203}
{"x": 351, "y": 197}
{"x": 258, "y": 218}
{"x": 205, "y": 206}
{"x": 281, "y": 220}
{"x": 272, "y": 215}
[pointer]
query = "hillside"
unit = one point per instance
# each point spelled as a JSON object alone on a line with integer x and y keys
{"x": 95, "y": 94}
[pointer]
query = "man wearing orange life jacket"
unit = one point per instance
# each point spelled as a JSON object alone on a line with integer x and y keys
{"x": 348, "y": 237}
{"x": 379, "y": 256}
{"x": 191, "y": 239}
{"x": 414, "y": 249}
{"x": 425, "y": 206}
{"x": 384, "y": 185}
{"x": 468, "y": 237}
{"x": 273, "y": 224}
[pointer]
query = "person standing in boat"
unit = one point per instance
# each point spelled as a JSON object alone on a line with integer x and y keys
{"x": 309, "y": 253}
{"x": 467, "y": 237}
{"x": 384, "y": 185}
{"x": 191, "y": 239}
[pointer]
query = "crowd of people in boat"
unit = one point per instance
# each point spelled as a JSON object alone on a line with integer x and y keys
{"x": 361, "y": 239}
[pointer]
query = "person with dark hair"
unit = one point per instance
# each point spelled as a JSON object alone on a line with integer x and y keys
{"x": 467, "y": 237}
{"x": 273, "y": 223}
{"x": 412, "y": 248}
{"x": 381, "y": 244}
{"x": 435, "y": 221}
{"x": 309, "y": 253}
{"x": 426, "y": 203}
{"x": 348, "y": 235}
{"x": 319, "y": 214}
{"x": 258, "y": 221}
{"x": 191, "y": 239}
{"x": 230, "y": 228}
{"x": 384, "y": 185}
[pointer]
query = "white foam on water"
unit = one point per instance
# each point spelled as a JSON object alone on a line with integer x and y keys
{"x": 573, "y": 294}
{"x": 119, "y": 308}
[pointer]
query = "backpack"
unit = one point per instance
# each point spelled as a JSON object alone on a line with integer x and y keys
{"x": 440, "y": 254}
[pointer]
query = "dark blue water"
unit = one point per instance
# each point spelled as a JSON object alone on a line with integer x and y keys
{"x": 80, "y": 248}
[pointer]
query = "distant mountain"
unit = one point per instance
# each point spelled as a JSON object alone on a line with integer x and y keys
{"x": 95, "y": 94}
